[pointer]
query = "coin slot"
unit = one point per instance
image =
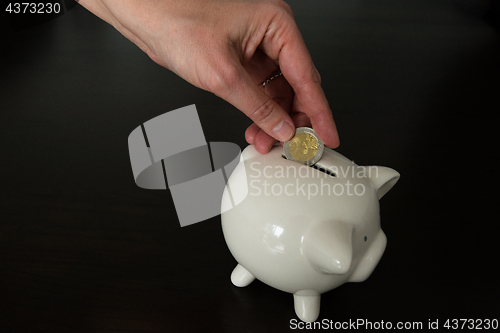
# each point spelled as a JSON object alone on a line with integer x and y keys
{"x": 319, "y": 168}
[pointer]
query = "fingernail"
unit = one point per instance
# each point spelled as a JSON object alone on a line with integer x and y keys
{"x": 283, "y": 131}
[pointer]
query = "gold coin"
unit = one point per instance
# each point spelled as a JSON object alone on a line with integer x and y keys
{"x": 303, "y": 147}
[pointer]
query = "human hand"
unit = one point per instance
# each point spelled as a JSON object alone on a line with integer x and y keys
{"x": 229, "y": 48}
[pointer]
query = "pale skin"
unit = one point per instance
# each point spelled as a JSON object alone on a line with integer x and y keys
{"x": 229, "y": 47}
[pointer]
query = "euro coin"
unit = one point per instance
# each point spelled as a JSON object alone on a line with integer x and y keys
{"x": 305, "y": 147}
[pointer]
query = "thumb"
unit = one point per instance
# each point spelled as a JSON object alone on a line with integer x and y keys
{"x": 240, "y": 90}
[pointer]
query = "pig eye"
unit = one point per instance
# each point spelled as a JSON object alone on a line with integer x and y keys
{"x": 365, "y": 238}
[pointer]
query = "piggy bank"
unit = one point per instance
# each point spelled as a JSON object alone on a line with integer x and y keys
{"x": 301, "y": 229}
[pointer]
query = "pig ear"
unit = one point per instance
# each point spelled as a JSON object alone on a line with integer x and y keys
{"x": 383, "y": 179}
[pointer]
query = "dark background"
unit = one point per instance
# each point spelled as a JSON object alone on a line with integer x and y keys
{"x": 414, "y": 85}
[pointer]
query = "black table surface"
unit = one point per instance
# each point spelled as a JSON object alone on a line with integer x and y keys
{"x": 413, "y": 85}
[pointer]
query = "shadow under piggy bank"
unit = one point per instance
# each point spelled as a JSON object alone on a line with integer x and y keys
{"x": 305, "y": 230}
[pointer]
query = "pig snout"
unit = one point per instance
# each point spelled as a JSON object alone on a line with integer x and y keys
{"x": 328, "y": 247}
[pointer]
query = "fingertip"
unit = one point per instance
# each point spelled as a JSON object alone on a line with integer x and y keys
{"x": 261, "y": 149}
{"x": 325, "y": 127}
{"x": 284, "y": 131}
{"x": 330, "y": 139}
{"x": 335, "y": 144}
{"x": 251, "y": 133}
{"x": 263, "y": 142}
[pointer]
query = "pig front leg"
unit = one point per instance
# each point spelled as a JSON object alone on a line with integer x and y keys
{"x": 240, "y": 277}
{"x": 307, "y": 304}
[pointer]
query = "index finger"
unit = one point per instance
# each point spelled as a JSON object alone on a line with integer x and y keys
{"x": 298, "y": 69}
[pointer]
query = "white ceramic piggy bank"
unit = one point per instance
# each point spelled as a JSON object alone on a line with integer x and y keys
{"x": 305, "y": 230}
